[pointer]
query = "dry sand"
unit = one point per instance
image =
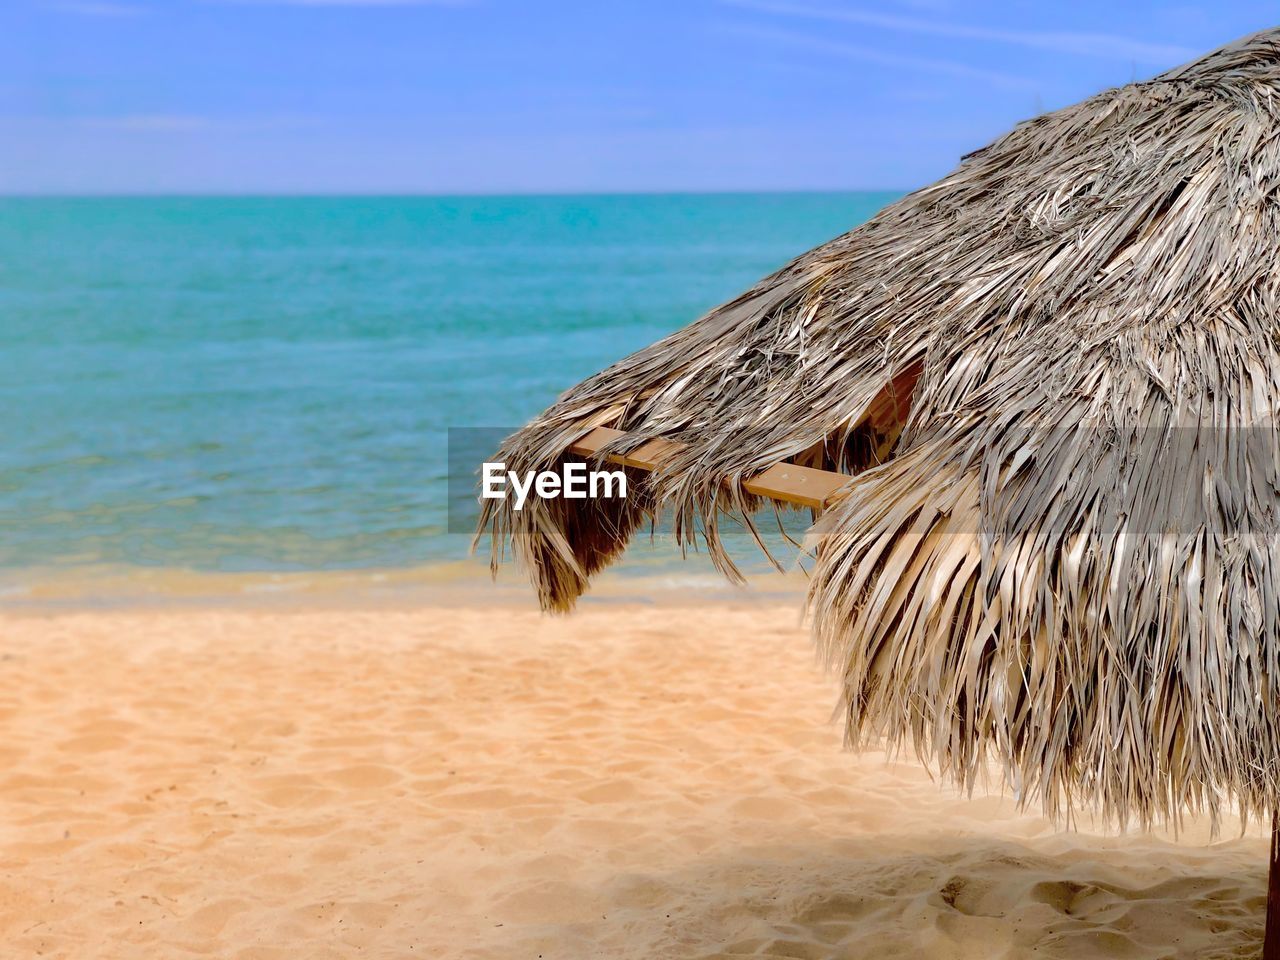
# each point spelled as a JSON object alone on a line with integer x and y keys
{"x": 639, "y": 781}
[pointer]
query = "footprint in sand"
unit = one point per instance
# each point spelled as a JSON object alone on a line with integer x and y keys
{"x": 1073, "y": 899}
{"x": 968, "y": 896}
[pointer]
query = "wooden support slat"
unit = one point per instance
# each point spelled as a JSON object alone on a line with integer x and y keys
{"x": 803, "y": 486}
{"x": 1271, "y": 927}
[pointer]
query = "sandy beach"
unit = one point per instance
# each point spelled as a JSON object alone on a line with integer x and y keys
{"x": 640, "y": 780}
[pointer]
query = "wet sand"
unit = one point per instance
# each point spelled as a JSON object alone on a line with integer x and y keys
{"x": 640, "y": 780}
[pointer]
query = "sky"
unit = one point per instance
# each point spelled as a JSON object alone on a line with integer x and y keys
{"x": 544, "y": 96}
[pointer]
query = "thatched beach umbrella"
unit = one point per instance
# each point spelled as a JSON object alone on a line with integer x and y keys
{"x": 1049, "y": 384}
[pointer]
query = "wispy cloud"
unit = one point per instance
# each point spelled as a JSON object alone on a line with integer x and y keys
{"x": 148, "y": 123}
{"x": 345, "y": 3}
{"x": 97, "y": 8}
{"x": 855, "y": 51}
{"x": 180, "y": 123}
{"x": 1104, "y": 45}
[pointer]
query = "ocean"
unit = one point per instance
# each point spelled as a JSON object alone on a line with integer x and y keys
{"x": 265, "y": 384}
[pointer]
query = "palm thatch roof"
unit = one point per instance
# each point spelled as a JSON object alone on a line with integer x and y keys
{"x": 1065, "y": 558}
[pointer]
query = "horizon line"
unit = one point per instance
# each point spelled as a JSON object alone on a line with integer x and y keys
{"x": 422, "y": 194}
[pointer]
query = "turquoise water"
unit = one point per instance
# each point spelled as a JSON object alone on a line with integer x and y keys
{"x": 265, "y": 383}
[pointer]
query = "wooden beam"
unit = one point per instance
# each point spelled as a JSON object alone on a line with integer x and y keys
{"x": 802, "y": 486}
{"x": 1271, "y": 927}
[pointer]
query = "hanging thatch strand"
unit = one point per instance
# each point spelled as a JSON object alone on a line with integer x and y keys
{"x": 1068, "y": 561}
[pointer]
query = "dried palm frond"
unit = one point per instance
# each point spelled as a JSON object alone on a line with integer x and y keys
{"x": 1067, "y": 558}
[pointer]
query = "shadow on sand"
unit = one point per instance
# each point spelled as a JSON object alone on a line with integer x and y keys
{"x": 1068, "y": 897}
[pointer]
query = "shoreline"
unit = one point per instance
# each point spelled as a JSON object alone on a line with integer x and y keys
{"x": 445, "y": 584}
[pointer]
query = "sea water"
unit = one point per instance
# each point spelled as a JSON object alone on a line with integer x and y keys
{"x": 265, "y": 384}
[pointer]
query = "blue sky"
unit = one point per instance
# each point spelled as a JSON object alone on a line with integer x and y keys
{"x": 507, "y": 96}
